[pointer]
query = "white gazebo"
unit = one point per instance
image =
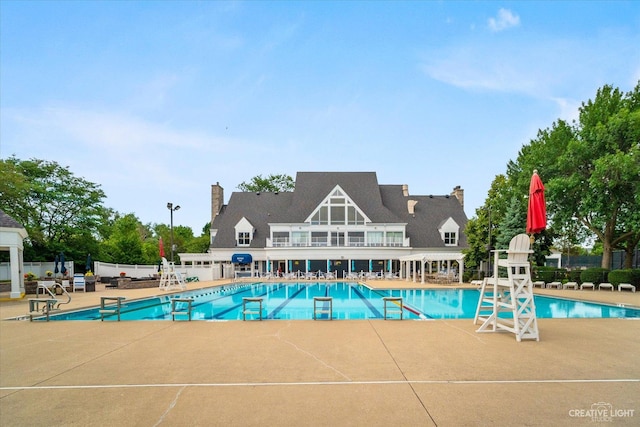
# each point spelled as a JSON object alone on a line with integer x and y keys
{"x": 12, "y": 235}
{"x": 422, "y": 262}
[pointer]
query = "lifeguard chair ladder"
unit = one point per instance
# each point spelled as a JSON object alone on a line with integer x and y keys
{"x": 511, "y": 296}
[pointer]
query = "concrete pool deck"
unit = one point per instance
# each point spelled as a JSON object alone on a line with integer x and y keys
{"x": 368, "y": 372}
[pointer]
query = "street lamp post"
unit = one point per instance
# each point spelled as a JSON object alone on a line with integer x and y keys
{"x": 172, "y": 209}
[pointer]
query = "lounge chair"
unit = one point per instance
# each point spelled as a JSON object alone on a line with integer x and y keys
{"x": 557, "y": 285}
{"x": 572, "y": 285}
{"x": 629, "y": 286}
{"x": 539, "y": 283}
{"x": 588, "y": 285}
{"x": 605, "y": 286}
{"x": 477, "y": 283}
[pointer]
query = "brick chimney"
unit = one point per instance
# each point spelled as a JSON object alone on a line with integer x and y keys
{"x": 458, "y": 193}
{"x": 217, "y": 200}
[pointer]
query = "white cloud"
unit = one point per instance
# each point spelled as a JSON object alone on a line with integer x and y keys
{"x": 541, "y": 67}
{"x": 505, "y": 19}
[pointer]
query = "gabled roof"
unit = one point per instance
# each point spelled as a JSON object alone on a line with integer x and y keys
{"x": 430, "y": 212}
{"x": 381, "y": 203}
{"x": 362, "y": 187}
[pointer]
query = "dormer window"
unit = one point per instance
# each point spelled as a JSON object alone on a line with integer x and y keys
{"x": 449, "y": 231}
{"x": 244, "y": 232}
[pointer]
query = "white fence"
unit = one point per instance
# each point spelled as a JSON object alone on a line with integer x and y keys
{"x": 39, "y": 268}
{"x": 104, "y": 269}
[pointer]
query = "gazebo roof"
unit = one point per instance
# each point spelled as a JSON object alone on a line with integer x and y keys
{"x": 7, "y": 221}
{"x": 10, "y": 225}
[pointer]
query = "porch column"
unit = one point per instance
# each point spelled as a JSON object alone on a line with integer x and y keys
{"x": 17, "y": 278}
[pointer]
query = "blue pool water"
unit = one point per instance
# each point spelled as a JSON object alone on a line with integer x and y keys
{"x": 294, "y": 301}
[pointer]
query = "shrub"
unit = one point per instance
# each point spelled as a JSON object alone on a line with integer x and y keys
{"x": 635, "y": 277}
{"x": 620, "y": 276}
{"x": 574, "y": 276}
{"x": 594, "y": 275}
{"x": 549, "y": 274}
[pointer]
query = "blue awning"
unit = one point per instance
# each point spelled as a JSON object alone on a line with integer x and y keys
{"x": 241, "y": 258}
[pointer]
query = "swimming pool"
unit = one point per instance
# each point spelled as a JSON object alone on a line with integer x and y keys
{"x": 295, "y": 301}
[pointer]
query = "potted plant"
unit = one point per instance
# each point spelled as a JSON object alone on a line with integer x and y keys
{"x": 89, "y": 277}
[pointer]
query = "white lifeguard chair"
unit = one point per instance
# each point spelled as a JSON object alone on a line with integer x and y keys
{"x": 506, "y": 303}
{"x": 170, "y": 279}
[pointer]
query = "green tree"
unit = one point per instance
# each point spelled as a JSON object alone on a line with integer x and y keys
{"x": 125, "y": 243}
{"x": 592, "y": 168}
{"x": 61, "y": 212}
{"x": 514, "y": 223}
{"x": 482, "y": 231}
{"x": 270, "y": 184}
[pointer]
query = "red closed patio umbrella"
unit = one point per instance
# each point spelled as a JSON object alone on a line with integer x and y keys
{"x": 161, "y": 246}
{"x": 537, "y": 211}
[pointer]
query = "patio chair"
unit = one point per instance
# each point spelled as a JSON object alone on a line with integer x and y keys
{"x": 46, "y": 286}
{"x": 79, "y": 283}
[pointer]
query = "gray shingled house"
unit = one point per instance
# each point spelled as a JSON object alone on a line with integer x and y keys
{"x": 338, "y": 222}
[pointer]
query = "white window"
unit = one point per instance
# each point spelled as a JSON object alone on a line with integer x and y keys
{"x": 244, "y": 238}
{"x": 356, "y": 238}
{"x": 375, "y": 238}
{"x": 299, "y": 238}
{"x": 450, "y": 239}
{"x": 280, "y": 238}
{"x": 394, "y": 238}
{"x": 319, "y": 238}
{"x": 337, "y": 209}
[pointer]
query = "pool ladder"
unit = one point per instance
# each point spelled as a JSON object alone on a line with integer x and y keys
{"x": 248, "y": 307}
{"x": 183, "y": 309}
{"x": 47, "y": 305}
{"x": 392, "y": 305}
{"x": 110, "y": 306}
{"x": 323, "y": 309}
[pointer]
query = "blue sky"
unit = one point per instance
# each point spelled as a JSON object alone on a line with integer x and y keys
{"x": 156, "y": 101}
